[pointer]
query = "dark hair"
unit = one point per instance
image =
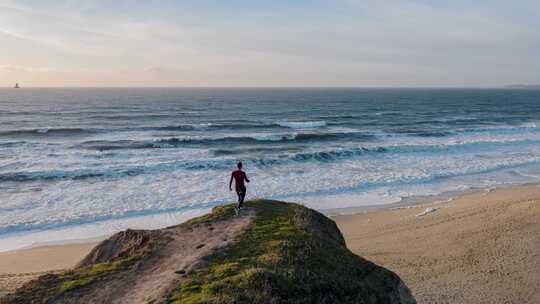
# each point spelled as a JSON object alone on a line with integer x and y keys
{"x": 239, "y": 165}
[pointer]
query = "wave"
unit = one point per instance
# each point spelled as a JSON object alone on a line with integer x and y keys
{"x": 422, "y": 133}
{"x": 248, "y": 139}
{"x": 249, "y": 150}
{"x": 12, "y": 144}
{"x": 302, "y": 124}
{"x": 132, "y": 116}
{"x": 337, "y": 116}
{"x": 47, "y": 131}
{"x": 529, "y": 125}
{"x": 501, "y": 129}
{"x": 113, "y": 172}
{"x": 283, "y": 158}
{"x": 205, "y": 141}
{"x": 205, "y": 164}
{"x": 48, "y": 175}
{"x": 106, "y": 145}
{"x": 241, "y": 126}
{"x": 427, "y": 132}
{"x": 436, "y": 132}
{"x": 185, "y": 127}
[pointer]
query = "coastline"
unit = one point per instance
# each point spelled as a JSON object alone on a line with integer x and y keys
{"x": 421, "y": 241}
{"x": 481, "y": 247}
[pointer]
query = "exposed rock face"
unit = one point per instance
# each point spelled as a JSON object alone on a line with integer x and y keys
{"x": 272, "y": 253}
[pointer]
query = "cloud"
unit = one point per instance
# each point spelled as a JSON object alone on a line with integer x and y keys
{"x": 26, "y": 69}
{"x": 342, "y": 42}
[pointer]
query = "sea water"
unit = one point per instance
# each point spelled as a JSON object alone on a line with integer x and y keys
{"x": 83, "y": 163}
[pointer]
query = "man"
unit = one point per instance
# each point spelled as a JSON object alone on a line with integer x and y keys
{"x": 239, "y": 177}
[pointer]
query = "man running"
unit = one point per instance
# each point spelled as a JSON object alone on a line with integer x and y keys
{"x": 239, "y": 177}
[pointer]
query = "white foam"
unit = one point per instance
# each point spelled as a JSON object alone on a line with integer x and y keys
{"x": 372, "y": 179}
{"x": 529, "y": 125}
{"x": 203, "y": 125}
{"x": 92, "y": 231}
{"x": 302, "y": 124}
{"x": 272, "y": 137}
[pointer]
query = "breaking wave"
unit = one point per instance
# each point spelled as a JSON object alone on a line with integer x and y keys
{"x": 47, "y": 131}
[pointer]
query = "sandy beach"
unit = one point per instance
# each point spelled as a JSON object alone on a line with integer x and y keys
{"x": 479, "y": 248}
{"x": 17, "y": 267}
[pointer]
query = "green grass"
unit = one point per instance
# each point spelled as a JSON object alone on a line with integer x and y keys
{"x": 236, "y": 268}
{"x": 54, "y": 286}
{"x": 83, "y": 277}
{"x": 218, "y": 213}
{"x": 288, "y": 253}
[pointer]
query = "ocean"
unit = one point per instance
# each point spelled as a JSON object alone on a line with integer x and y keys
{"x": 83, "y": 163}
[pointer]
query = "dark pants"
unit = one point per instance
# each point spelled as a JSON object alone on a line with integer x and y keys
{"x": 241, "y": 191}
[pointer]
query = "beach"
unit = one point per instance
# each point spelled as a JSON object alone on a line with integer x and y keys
{"x": 481, "y": 247}
{"x": 20, "y": 266}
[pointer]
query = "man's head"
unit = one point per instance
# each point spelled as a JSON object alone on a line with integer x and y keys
{"x": 239, "y": 165}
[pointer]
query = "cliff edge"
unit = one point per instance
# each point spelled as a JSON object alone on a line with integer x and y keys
{"x": 274, "y": 252}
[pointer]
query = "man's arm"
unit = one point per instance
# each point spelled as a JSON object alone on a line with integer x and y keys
{"x": 230, "y": 183}
{"x": 245, "y": 176}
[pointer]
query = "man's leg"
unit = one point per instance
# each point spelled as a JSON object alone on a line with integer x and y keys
{"x": 241, "y": 195}
{"x": 241, "y": 199}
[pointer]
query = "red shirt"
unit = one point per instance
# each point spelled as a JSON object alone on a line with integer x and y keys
{"x": 239, "y": 178}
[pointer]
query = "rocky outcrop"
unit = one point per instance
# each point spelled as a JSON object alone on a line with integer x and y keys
{"x": 273, "y": 252}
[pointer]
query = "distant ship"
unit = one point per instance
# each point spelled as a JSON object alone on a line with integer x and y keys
{"x": 17, "y": 86}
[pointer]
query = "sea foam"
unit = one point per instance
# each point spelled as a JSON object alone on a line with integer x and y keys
{"x": 302, "y": 124}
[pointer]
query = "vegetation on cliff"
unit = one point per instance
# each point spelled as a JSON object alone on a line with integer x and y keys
{"x": 285, "y": 253}
{"x": 289, "y": 254}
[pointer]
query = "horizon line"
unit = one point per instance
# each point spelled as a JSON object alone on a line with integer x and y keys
{"x": 276, "y": 87}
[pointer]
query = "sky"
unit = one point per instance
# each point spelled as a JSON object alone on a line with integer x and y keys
{"x": 240, "y": 43}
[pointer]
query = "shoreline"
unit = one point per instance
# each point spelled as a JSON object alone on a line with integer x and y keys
{"x": 89, "y": 232}
{"x": 147, "y": 222}
{"x": 380, "y": 234}
{"x": 333, "y": 213}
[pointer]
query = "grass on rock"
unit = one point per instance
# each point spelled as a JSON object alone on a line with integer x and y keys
{"x": 287, "y": 254}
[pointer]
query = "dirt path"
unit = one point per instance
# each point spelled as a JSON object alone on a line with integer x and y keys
{"x": 160, "y": 273}
{"x": 182, "y": 250}
{"x": 181, "y": 256}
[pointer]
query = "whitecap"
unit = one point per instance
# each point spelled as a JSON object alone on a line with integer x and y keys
{"x": 203, "y": 125}
{"x": 528, "y": 125}
{"x": 273, "y": 137}
{"x": 302, "y": 124}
